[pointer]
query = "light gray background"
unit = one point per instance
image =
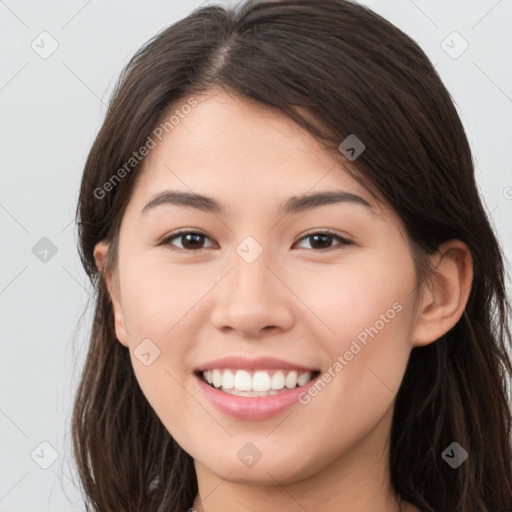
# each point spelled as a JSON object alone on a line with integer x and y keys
{"x": 51, "y": 110}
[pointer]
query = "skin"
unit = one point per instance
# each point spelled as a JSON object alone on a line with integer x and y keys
{"x": 296, "y": 301}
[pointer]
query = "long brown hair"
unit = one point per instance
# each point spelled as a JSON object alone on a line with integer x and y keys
{"x": 336, "y": 68}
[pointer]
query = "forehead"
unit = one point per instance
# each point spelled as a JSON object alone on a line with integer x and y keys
{"x": 232, "y": 146}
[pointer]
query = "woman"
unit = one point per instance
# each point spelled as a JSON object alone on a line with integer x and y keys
{"x": 300, "y": 300}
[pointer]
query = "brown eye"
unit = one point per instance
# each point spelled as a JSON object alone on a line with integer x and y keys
{"x": 321, "y": 240}
{"x": 194, "y": 240}
{"x": 190, "y": 240}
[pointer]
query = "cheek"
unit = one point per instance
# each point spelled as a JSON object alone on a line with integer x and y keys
{"x": 156, "y": 298}
{"x": 350, "y": 297}
{"x": 158, "y": 294}
{"x": 367, "y": 314}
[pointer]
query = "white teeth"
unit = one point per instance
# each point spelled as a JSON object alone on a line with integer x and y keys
{"x": 257, "y": 383}
{"x": 303, "y": 378}
{"x": 277, "y": 381}
{"x": 291, "y": 380}
{"x": 217, "y": 378}
{"x": 250, "y": 393}
{"x": 261, "y": 381}
{"x": 243, "y": 381}
{"x": 228, "y": 380}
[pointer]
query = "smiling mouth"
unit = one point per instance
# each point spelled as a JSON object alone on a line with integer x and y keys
{"x": 255, "y": 383}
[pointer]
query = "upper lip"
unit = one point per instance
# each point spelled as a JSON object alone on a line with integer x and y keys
{"x": 244, "y": 363}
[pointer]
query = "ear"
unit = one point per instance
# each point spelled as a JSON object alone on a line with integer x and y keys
{"x": 100, "y": 256}
{"x": 444, "y": 299}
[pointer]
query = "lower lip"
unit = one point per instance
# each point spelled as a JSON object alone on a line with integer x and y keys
{"x": 253, "y": 408}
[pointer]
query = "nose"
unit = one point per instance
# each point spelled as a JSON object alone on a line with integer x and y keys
{"x": 253, "y": 298}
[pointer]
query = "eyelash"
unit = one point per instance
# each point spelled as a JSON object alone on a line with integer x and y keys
{"x": 167, "y": 240}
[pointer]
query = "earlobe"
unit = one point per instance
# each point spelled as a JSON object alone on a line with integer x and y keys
{"x": 445, "y": 297}
{"x": 100, "y": 256}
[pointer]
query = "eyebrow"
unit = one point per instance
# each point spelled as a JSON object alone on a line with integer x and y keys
{"x": 294, "y": 204}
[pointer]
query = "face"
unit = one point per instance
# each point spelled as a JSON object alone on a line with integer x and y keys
{"x": 327, "y": 286}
